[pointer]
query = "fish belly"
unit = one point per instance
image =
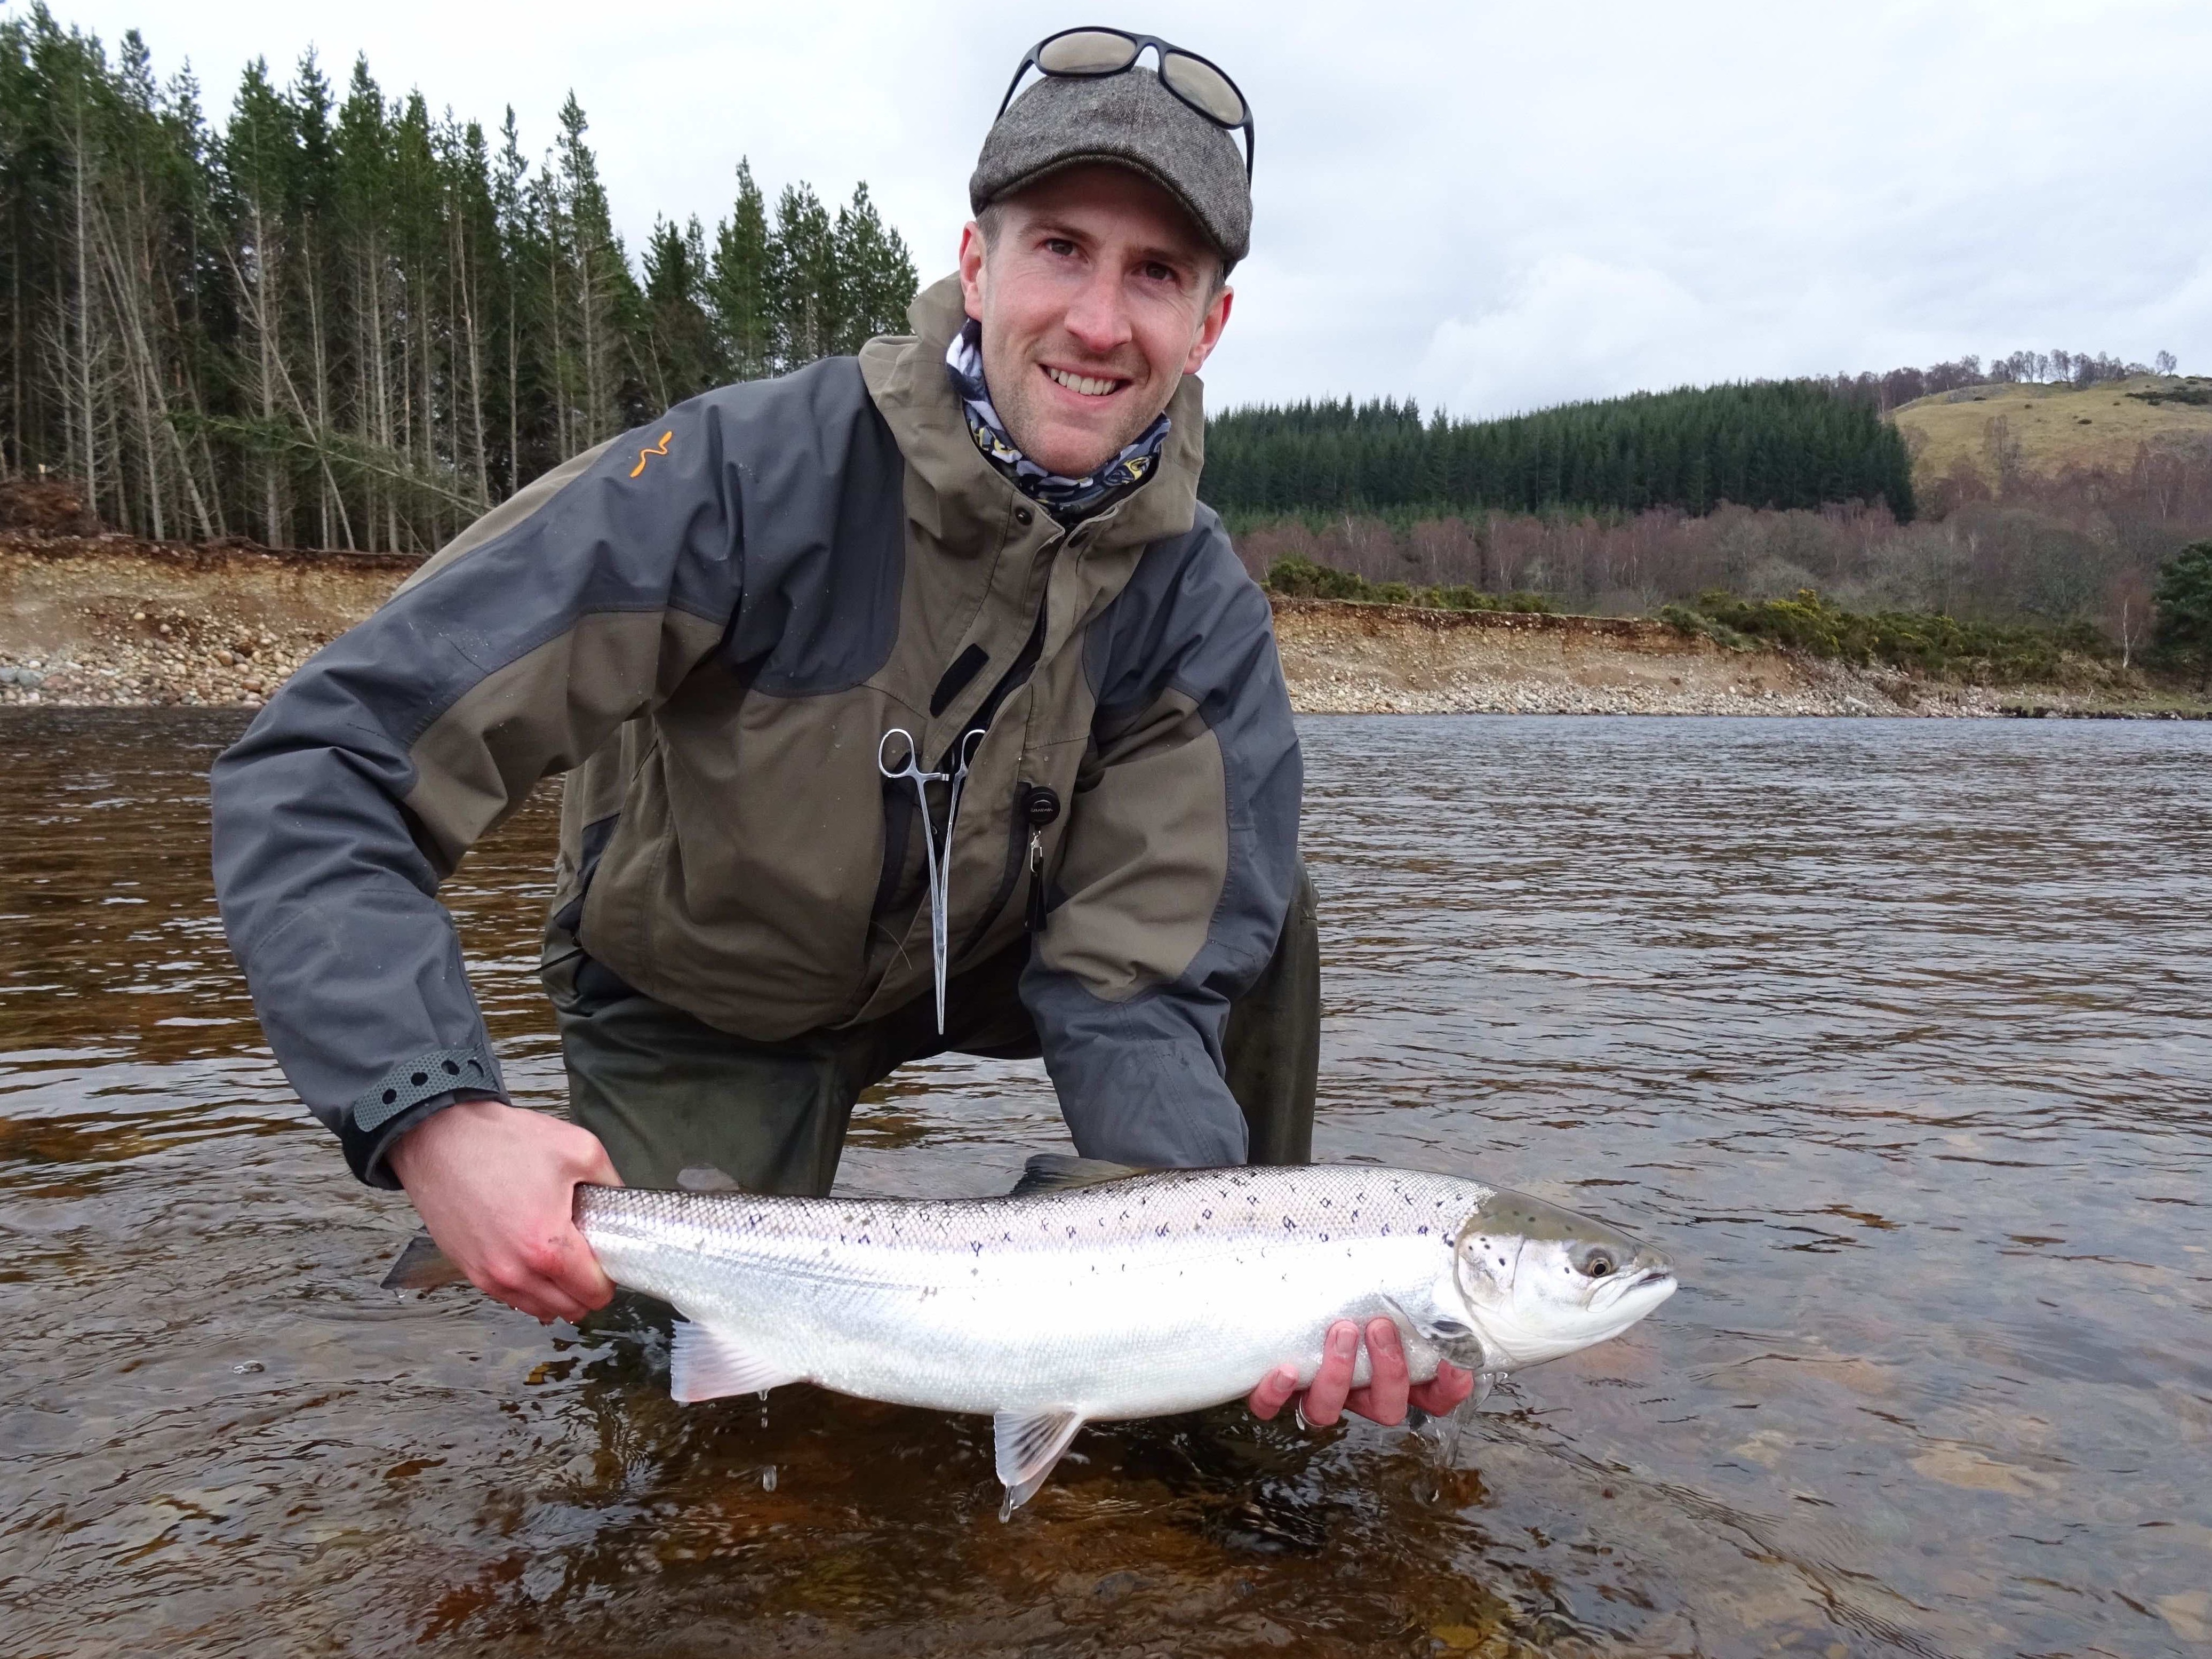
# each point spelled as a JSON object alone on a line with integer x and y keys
{"x": 1112, "y": 1333}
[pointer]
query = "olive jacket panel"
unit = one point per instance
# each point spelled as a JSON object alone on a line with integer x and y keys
{"x": 714, "y": 626}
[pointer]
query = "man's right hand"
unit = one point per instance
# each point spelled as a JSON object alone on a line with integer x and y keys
{"x": 496, "y": 1186}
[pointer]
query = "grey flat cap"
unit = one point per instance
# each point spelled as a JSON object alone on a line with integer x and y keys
{"x": 1128, "y": 120}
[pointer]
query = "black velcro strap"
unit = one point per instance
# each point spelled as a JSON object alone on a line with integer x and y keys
{"x": 412, "y": 1082}
{"x": 965, "y": 667}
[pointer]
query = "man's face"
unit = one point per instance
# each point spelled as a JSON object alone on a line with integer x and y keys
{"x": 1097, "y": 296}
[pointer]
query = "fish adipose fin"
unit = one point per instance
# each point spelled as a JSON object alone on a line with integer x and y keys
{"x": 706, "y": 1178}
{"x": 422, "y": 1266}
{"x": 1056, "y": 1172}
{"x": 708, "y": 1366}
{"x": 1030, "y": 1443}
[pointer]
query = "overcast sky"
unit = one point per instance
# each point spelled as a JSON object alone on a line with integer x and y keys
{"x": 1487, "y": 206}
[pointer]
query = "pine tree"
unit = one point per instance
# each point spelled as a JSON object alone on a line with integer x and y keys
{"x": 876, "y": 275}
{"x": 805, "y": 292}
{"x": 682, "y": 358}
{"x": 737, "y": 286}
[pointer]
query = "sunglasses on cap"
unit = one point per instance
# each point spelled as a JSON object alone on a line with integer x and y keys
{"x": 1094, "y": 53}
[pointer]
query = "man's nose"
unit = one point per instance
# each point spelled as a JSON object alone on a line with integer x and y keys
{"x": 1098, "y": 319}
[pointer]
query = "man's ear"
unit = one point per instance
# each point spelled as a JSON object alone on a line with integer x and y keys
{"x": 1209, "y": 330}
{"x": 971, "y": 268}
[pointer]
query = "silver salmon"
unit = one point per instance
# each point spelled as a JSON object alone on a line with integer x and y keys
{"x": 1095, "y": 1292}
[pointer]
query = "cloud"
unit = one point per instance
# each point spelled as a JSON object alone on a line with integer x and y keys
{"x": 1569, "y": 327}
{"x": 1484, "y": 202}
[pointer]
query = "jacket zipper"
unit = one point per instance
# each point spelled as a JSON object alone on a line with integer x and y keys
{"x": 1040, "y": 808}
{"x": 1035, "y": 805}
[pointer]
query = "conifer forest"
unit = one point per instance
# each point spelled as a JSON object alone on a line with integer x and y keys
{"x": 328, "y": 318}
{"x": 1771, "y": 444}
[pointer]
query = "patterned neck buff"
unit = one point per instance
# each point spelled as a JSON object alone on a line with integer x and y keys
{"x": 1066, "y": 499}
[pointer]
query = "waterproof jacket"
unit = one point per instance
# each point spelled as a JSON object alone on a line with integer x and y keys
{"x": 710, "y": 624}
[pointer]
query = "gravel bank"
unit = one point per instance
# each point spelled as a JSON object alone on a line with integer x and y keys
{"x": 1342, "y": 658}
{"x": 106, "y": 620}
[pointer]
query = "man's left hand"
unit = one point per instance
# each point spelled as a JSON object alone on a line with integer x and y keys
{"x": 1388, "y": 1390}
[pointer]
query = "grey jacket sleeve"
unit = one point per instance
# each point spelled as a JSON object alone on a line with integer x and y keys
{"x": 1178, "y": 863}
{"x": 578, "y": 603}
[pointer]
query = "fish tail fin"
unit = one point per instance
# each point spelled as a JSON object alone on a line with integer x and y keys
{"x": 422, "y": 1266}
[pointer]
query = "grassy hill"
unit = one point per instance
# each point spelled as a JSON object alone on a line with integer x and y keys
{"x": 2054, "y": 426}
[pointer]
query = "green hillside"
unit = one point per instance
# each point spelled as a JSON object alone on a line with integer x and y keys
{"x": 2049, "y": 428}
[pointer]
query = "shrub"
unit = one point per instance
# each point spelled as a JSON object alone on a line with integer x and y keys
{"x": 1300, "y": 578}
{"x": 1926, "y": 641}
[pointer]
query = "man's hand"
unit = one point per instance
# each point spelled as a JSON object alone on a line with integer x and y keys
{"x": 497, "y": 1186}
{"x": 1387, "y": 1392}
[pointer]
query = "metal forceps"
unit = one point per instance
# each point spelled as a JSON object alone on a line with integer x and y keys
{"x": 938, "y": 858}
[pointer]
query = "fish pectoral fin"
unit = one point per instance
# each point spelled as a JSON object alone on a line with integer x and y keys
{"x": 1056, "y": 1172}
{"x": 705, "y": 1364}
{"x": 1028, "y": 1444}
{"x": 706, "y": 1178}
{"x": 1454, "y": 1339}
{"x": 422, "y": 1266}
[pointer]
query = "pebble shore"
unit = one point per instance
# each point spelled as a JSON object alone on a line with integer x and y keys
{"x": 94, "y": 621}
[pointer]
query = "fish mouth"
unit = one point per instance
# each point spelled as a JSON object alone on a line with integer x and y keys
{"x": 1659, "y": 1276}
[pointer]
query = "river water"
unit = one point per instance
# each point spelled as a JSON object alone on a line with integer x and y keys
{"x": 1898, "y": 1035}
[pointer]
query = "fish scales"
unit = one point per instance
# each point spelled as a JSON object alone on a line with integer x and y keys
{"x": 1159, "y": 1293}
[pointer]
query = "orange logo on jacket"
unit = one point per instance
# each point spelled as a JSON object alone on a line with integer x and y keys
{"x": 661, "y": 448}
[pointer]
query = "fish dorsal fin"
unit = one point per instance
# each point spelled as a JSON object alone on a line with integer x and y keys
{"x": 1054, "y": 1172}
{"x": 1028, "y": 1444}
{"x": 422, "y": 1266}
{"x": 706, "y": 1178}
{"x": 705, "y": 1364}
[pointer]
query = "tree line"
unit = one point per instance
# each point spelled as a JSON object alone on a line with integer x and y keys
{"x": 1893, "y": 388}
{"x": 2087, "y": 545}
{"x": 1789, "y": 444}
{"x": 336, "y": 319}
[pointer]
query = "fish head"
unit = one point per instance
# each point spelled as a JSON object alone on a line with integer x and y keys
{"x": 1538, "y": 1281}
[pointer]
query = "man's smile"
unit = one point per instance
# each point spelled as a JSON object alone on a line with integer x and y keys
{"x": 1084, "y": 385}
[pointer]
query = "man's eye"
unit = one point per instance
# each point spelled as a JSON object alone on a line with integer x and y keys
{"x": 1159, "y": 273}
{"x": 1059, "y": 245}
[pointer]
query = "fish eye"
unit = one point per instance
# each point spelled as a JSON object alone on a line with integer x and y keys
{"x": 1597, "y": 1264}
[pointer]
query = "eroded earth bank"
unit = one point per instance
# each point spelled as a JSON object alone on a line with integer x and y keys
{"x": 105, "y": 619}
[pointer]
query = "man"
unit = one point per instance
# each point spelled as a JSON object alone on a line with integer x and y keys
{"x": 908, "y": 703}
